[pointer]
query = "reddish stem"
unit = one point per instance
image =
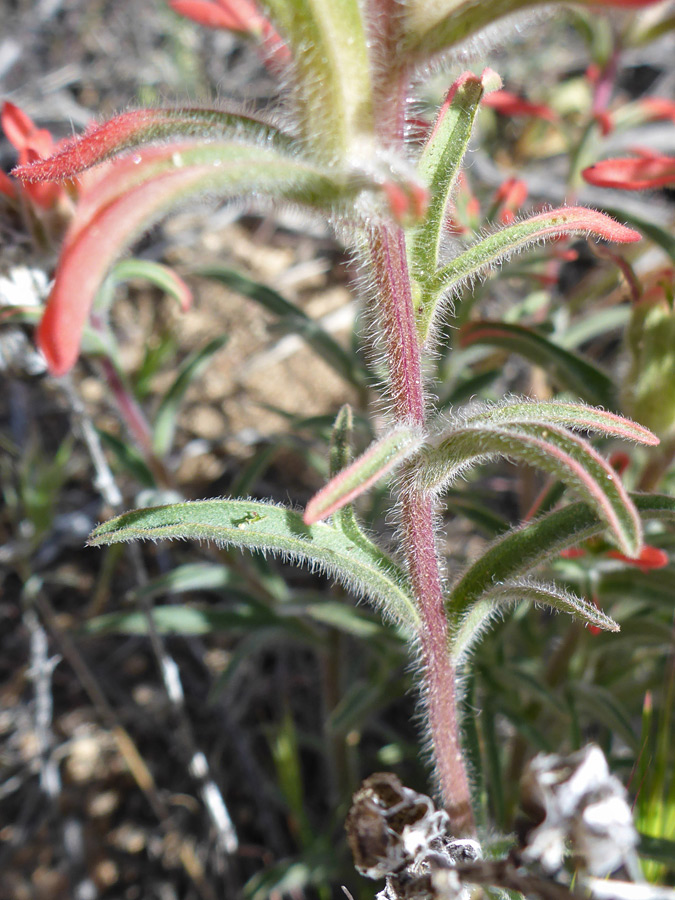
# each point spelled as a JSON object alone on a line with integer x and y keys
{"x": 403, "y": 351}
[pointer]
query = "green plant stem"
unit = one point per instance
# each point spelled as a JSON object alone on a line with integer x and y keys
{"x": 389, "y": 259}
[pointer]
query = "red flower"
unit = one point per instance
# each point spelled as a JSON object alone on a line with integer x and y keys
{"x": 32, "y": 143}
{"x": 509, "y": 104}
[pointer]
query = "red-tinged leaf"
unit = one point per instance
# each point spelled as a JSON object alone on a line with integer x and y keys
{"x": 632, "y": 174}
{"x": 128, "y": 130}
{"x": 556, "y": 451}
{"x": 566, "y": 414}
{"x": 380, "y": 458}
{"x": 135, "y": 192}
{"x": 489, "y": 252}
{"x": 44, "y": 195}
{"x": 84, "y": 262}
{"x": 649, "y": 558}
{"x": 509, "y": 104}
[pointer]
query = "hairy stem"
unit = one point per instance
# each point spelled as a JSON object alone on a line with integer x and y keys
{"x": 389, "y": 260}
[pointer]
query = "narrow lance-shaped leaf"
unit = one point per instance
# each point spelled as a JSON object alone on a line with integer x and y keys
{"x": 331, "y": 75}
{"x": 165, "y": 419}
{"x": 568, "y": 415}
{"x": 104, "y": 140}
{"x": 440, "y": 163}
{"x": 161, "y": 276}
{"x": 127, "y": 201}
{"x": 536, "y": 543}
{"x": 341, "y": 440}
{"x": 340, "y": 456}
{"x": 380, "y": 458}
{"x": 473, "y": 625}
{"x": 494, "y": 249}
{"x": 434, "y": 27}
{"x": 266, "y": 528}
{"x": 561, "y": 454}
{"x": 568, "y": 370}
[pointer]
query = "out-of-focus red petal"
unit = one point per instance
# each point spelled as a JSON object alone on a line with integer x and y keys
{"x": 210, "y": 15}
{"x": 7, "y": 186}
{"x": 510, "y": 196}
{"x": 17, "y": 125}
{"x": 658, "y": 107}
{"x": 649, "y": 558}
{"x": 508, "y": 104}
{"x": 605, "y": 122}
{"x": 573, "y": 553}
{"x": 619, "y": 461}
{"x": 632, "y": 174}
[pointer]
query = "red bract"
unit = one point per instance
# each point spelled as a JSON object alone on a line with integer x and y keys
{"x": 636, "y": 174}
{"x": 508, "y": 104}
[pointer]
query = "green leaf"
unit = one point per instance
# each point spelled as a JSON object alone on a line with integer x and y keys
{"x": 510, "y": 593}
{"x": 190, "y": 369}
{"x": 267, "y": 528}
{"x": 331, "y": 77}
{"x": 434, "y": 27}
{"x": 659, "y": 849}
{"x": 380, "y": 458}
{"x": 537, "y": 543}
{"x": 556, "y": 451}
{"x": 496, "y": 248}
{"x": 568, "y": 370}
{"x": 340, "y": 440}
{"x": 466, "y": 504}
{"x": 343, "y": 617}
{"x": 565, "y": 414}
{"x": 292, "y": 319}
{"x": 128, "y": 458}
{"x": 439, "y": 167}
{"x": 161, "y": 276}
{"x": 189, "y": 577}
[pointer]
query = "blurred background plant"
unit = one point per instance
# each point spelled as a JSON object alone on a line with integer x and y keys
{"x": 117, "y": 781}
